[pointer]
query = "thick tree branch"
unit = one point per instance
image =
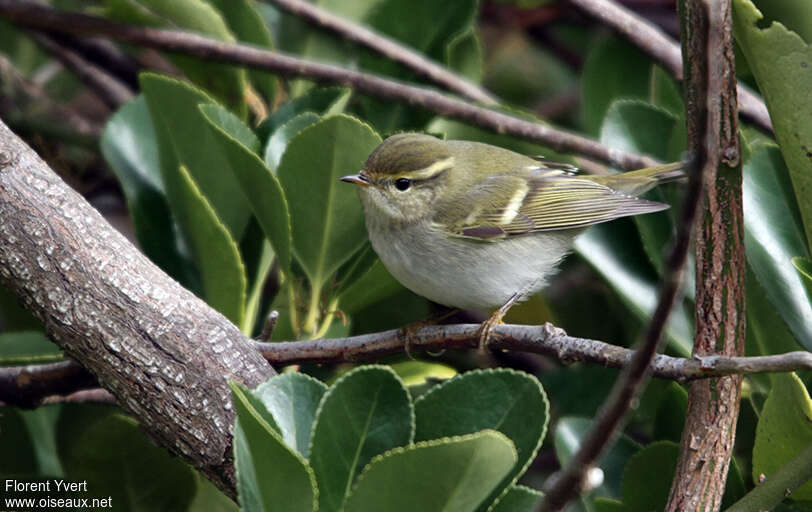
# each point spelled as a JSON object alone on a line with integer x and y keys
{"x": 163, "y": 353}
{"x": 656, "y": 43}
{"x": 713, "y": 404}
{"x": 28, "y": 14}
{"x": 387, "y": 47}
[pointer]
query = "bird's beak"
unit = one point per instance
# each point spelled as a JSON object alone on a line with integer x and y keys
{"x": 359, "y": 179}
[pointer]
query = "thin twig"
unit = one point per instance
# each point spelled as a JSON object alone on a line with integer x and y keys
{"x": 112, "y": 92}
{"x": 106, "y": 55}
{"x": 25, "y": 13}
{"x": 387, "y": 47}
{"x": 68, "y": 377}
{"x": 566, "y": 485}
{"x": 658, "y": 45}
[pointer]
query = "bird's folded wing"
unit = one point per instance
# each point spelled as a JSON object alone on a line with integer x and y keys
{"x": 509, "y": 205}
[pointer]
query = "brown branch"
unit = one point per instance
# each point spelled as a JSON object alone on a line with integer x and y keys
{"x": 387, "y": 47}
{"x": 108, "y": 88}
{"x": 713, "y": 404}
{"x": 656, "y": 43}
{"x": 28, "y": 14}
{"x": 163, "y": 353}
{"x": 26, "y": 386}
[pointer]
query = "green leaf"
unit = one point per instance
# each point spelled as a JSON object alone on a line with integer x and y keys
{"x": 130, "y": 146}
{"x": 225, "y": 82}
{"x": 28, "y": 347}
{"x": 365, "y": 413}
{"x": 647, "y": 477}
{"x": 184, "y": 138}
{"x": 416, "y": 373}
{"x": 670, "y": 417}
{"x": 17, "y": 445}
{"x": 767, "y": 332}
{"x": 611, "y": 251}
{"x": 665, "y": 93}
{"x": 570, "y": 431}
{"x": 216, "y": 253}
{"x": 804, "y": 268}
{"x": 613, "y": 69}
{"x": 328, "y": 100}
{"x": 292, "y": 400}
{"x": 505, "y": 400}
{"x": 326, "y": 215}
{"x": 451, "y": 474}
{"x": 780, "y": 60}
{"x": 247, "y": 25}
{"x": 784, "y": 429}
{"x": 210, "y": 499}
{"x": 773, "y": 236}
{"x": 280, "y": 138}
{"x": 270, "y": 474}
{"x": 137, "y": 474}
{"x": 518, "y": 499}
{"x": 464, "y": 54}
{"x": 260, "y": 186}
{"x": 638, "y": 127}
{"x": 371, "y": 287}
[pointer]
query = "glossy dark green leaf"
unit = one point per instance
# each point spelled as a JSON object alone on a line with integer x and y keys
{"x": 451, "y": 474}
{"x": 292, "y": 400}
{"x": 184, "y": 138}
{"x": 247, "y": 25}
{"x": 423, "y": 25}
{"x": 614, "y": 69}
{"x": 270, "y": 474}
{"x": 416, "y": 373}
{"x": 259, "y": 184}
{"x": 665, "y": 93}
{"x": 326, "y": 217}
{"x": 278, "y": 141}
{"x": 780, "y": 60}
{"x": 570, "y": 431}
{"x": 767, "y": 332}
{"x": 505, "y": 400}
{"x": 137, "y": 474}
{"x": 610, "y": 250}
{"x": 773, "y": 236}
{"x": 638, "y": 127}
{"x": 518, "y": 499}
{"x": 463, "y": 54}
{"x": 365, "y": 413}
{"x": 804, "y": 268}
{"x": 130, "y": 147}
{"x": 210, "y": 499}
{"x": 784, "y": 429}
{"x": 647, "y": 477}
{"x": 27, "y": 347}
{"x": 226, "y": 83}
{"x": 323, "y": 101}
{"x": 17, "y": 445}
{"x": 670, "y": 417}
{"x": 216, "y": 253}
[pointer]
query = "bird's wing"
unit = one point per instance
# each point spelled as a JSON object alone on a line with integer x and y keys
{"x": 543, "y": 200}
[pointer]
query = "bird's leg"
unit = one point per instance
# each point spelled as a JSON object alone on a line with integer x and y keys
{"x": 484, "y": 331}
{"x": 409, "y": 332}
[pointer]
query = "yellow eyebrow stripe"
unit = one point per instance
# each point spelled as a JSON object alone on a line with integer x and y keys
{"x": 430, "y": 171}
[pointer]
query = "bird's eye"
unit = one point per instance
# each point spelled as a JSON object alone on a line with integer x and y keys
{"x": 403, "y": 184}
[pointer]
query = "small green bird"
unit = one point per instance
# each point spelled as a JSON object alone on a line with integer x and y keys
{"x": 474, "y": 226}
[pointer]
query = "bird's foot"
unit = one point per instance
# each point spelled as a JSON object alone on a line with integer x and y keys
{"x": 408, "y": 333}
{"x": 485, "y": 330}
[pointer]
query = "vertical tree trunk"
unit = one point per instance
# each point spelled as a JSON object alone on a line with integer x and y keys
{"x": 713, "y": 404}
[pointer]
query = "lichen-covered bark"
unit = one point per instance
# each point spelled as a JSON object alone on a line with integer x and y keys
{"x": 713, "y": 404}
{"x": 163, "y": 353}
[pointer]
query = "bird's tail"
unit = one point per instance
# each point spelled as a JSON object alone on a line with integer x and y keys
{"x": 641, "y": 180}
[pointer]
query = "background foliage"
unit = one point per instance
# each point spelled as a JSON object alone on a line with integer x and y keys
{"x": 227, "y": 179}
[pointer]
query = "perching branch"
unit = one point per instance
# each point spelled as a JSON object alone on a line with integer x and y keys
{"x": 720, "y": 324}
{"x": 387, "y": 47}
{"x": 649, "y": 38}
{"x": 163, "y": 353}
{"x": 27, "y": 386}
{"x": 32, "y": 15}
